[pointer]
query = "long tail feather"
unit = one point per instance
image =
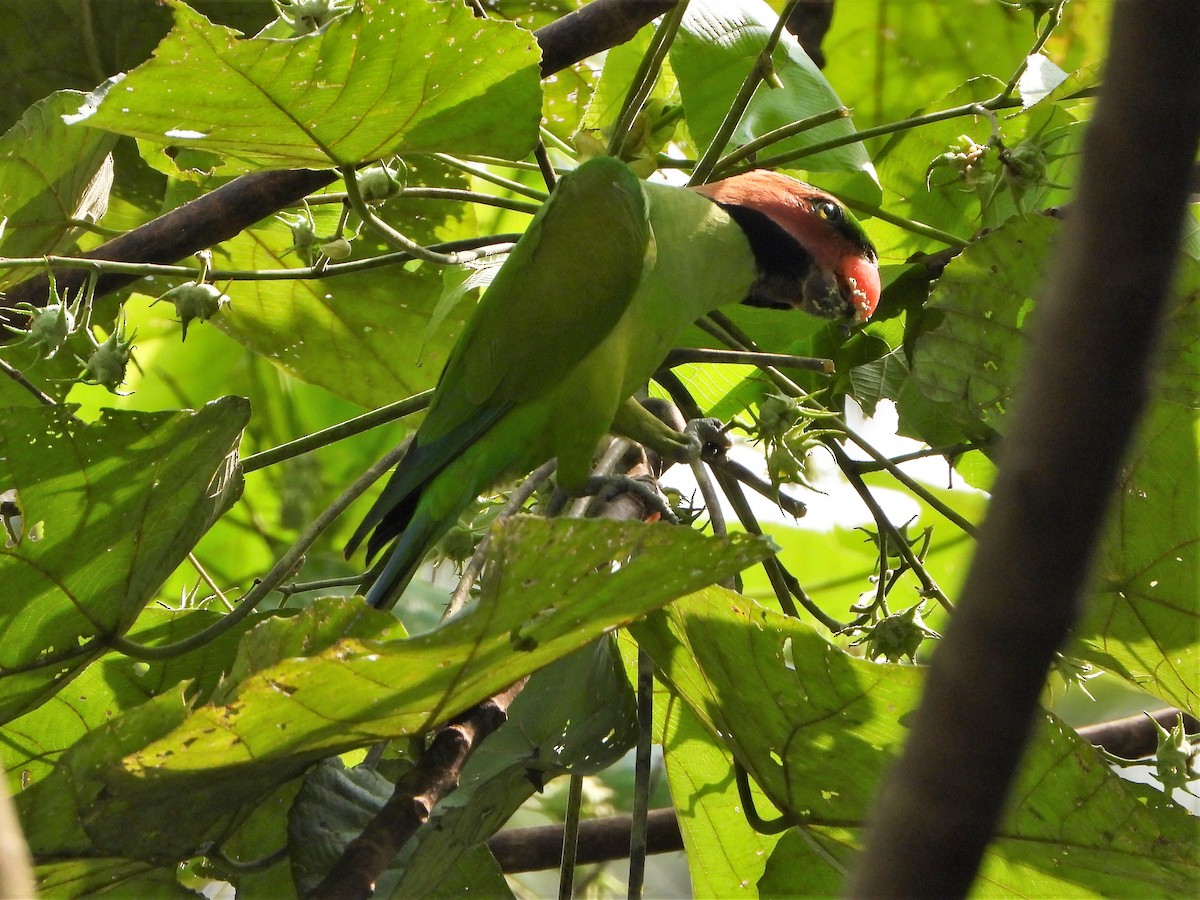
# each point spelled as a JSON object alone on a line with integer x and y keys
{"x": 404, "y": 560}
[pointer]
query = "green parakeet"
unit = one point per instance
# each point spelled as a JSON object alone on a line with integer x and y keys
{"x": 592, "y": 297}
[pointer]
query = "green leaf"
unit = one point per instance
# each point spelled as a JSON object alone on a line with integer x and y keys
{"x": 300, "y": 691}
{"x": 50, "y": 173}
{"x": 577, "y": 715}
{"x": 817, "y": 728}
{"x": 109, "y": 510}
{"x": 879, "y": 379}
{"x": 1142, "y": 620}
{"x": 31, "y": 744}
{"x": 971, "y": 358}
{"x": 717, "y": 46}
{"x": 725, "y": 855}
{"x": 115, "y": 877}
{"x": 386, "y": 78}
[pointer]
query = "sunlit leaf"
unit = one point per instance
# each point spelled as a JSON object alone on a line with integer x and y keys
{"x": 817, "y": 729}
{"x": 386, "y": 78}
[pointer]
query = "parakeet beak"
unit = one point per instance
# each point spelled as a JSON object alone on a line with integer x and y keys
{"x": 812, "y": 253}
{"x": 858, "y": 286}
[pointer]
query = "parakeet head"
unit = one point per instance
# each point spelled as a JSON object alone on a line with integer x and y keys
{"x": 812, "y": 253}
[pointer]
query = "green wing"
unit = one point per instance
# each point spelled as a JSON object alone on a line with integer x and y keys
{"x": 565, "y": 285}
{"x": 560, "y": 293}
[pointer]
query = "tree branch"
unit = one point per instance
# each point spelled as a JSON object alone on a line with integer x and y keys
{"x": 600, "y": 840}
{"x": 1135, "y": 736}
{"x": 436, "y": 775}
{"x": 607, "y": 839}
{"x": 1084, "y": 388}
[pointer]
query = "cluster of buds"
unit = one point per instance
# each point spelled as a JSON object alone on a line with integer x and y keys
{"x": 785, "y": 427}
{"x": 109, "y": 360}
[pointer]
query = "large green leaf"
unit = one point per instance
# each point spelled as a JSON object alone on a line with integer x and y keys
{"x": 725, "y": 855}
{"x": 109, "y": 510}
{"x": 1142, "y": 620}
{"x": 391, "y": 76}
{"x": 717, "y": 46}
{"x": 32, "y": 744}
{"x": 971, "y": 356}
{"x": 816, "y": 728}
{"x": 341, "y": 676}
{"x": 49, "y": 174}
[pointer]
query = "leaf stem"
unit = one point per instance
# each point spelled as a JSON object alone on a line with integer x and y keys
{"x": 269, "y": 582}
{"x": 764, "y": 67}
{"x": 645, "y": 77}
{"x": 390, "y": 235}
{"x": 339, "y": 432}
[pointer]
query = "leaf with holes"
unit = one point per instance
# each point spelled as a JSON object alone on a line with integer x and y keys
{"x": 971, "y": 356}
{"x": 385, "y": 78}
{"x": 817, "y": 728}
{"x": 1142, "y": 620}
{"x": 341, "y": 676}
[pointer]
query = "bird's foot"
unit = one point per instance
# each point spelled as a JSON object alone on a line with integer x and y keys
{"x": 606, "y": 487}
{"x": 702, "y": 439}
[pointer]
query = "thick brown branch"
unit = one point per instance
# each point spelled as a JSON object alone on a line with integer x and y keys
{"x": 600, "y": 840}
{"x": 1135, "y": 736}
{"x": 435, "y": 776}
{"x": 231, "y": 208}
{"x": 597, "y": 26}
{"x": 1084, "y": 388}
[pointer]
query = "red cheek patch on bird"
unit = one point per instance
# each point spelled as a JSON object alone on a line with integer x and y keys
{"x": 862, "y": 278}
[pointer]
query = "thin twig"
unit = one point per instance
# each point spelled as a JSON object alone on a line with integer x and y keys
{"x": 751, "y": 148}
{"x": 645, "y": 77}
{"x": 499, "y": 180}
{"x": 339, "y": 432}
{"x": 896, "y": 540}
{"x": 641, "y": 774}
{"x": 762, "y": 69}
{"x": 570, "y": 838}
{"x": 466, "y": 250}
{"x": 681, "y": 355}
{"x": 207, "y": 579}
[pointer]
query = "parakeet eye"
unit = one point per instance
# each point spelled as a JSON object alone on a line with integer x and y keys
{"x": 828, "y": 210}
